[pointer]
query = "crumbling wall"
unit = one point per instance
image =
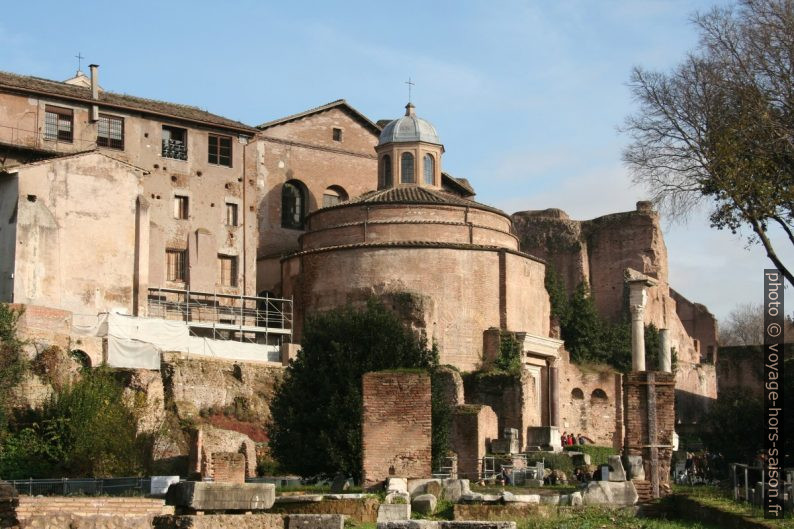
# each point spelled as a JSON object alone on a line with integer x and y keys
{"x": 510, "y": 396}
{"x": 396, "y": 426}
{"x": 474, "y": 426}
{"x": 591, "y": 402}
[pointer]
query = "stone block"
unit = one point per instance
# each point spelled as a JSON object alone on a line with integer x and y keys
{"x": 390, "y": 512}
{"x": 408, "y": 524}
{"x": 610, "y": 493}
{"x": 452, "y": 489}
{"x": 470, "y": 497}
{"x": 208, "y": 496}
{"x": 301, "y": 498}
{"x": 397, "y": 497}
{"x": 424, "y": 504}
{"x": 534, "y": 483}
{"x": 616, "y": 472}
{"x": 576, "y": 499}
{"x": 579, "y": 459}
{"x": 315, "y": 521}
{"x": 547, "y": 437}
{"x": 550, "y": 499}
{"x": 509, "y": 497}
{"x": 399, "y": 485}
{"x": 471, "y": 524}
{"x": 424, "y": 486}
{"x": 633, "y": 466}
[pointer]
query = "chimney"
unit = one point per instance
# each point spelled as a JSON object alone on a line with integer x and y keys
{"x": 94, "y": 90}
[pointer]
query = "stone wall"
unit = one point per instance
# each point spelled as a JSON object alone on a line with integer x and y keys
{"x": 363, "y": 510}
{"x": 396, "y": 427}
{"x": 510, "y": 397}
{"x": 229, "y": 467}
{"x": 591, "y": 402}
{"x": 474, "y": 426}
{"x": 642, "y": 422}
{"x": 220, "y": 521}
{"x": 58, "y": 512}
{"x": 213, "y": 451}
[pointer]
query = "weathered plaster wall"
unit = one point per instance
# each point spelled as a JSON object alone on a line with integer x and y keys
{"x": 66, "y": 257}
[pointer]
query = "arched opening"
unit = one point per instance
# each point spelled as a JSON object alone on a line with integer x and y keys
{"x": 82, "y": 358}
{"x": 333, "y": 196}
{"x": 577, "y": 394}
{"x": 407, "y": 168}
{"x": 385, "y": 172}
{"x": 598, "y": 394}
{"x": 293, "y": 205}
{"x": 429, "y": 169}
{"x": 386, "y": 178}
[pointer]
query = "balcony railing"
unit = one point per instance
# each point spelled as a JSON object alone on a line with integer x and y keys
{"x": 223, "y": 313}
{"x": 174, "y": 149}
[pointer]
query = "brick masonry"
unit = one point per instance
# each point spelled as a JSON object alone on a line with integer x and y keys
{"x": 396, "y": 426}
{"x": 474, "y": 426}
{"x": 228, "y": 467}
{"x": 638, "y": 420}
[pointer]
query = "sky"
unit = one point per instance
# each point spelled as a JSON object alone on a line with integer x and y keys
{"x": 526, "y": 96}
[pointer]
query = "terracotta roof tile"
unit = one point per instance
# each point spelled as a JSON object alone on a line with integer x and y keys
{"x": 38, "y": 85}
{"x": 416, "y": 195}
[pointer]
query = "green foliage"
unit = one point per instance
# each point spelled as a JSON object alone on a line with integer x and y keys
{"x": 733, "y": 426}
{"x": 552, "y": 460}
{"x": 85, "y": 430}
{"x": 441, "y": 421}
{"x": 599, "y": 455}
{"x": 509, "y": 359}
{"x": 590, "y": 338}
{"x": 316, "y": 413}
{"x": 13, "y": 364}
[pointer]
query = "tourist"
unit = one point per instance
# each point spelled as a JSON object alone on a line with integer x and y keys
{"x": 564, "y": 439}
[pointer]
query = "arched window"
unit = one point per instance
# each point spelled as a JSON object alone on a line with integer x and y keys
{"x": 333, "y": 196}
{"x": 293, "y": 205}
{"x": 385, "y": 172}
{"x": 598, "y": 394}
{"x": 577, "y": 394}
{"x": 429, "y": 169}
{"x": 407, "y": 168}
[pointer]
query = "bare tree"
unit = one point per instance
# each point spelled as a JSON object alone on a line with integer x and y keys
{"x": 745, "y": 326}
{"x": 719, "y": 128}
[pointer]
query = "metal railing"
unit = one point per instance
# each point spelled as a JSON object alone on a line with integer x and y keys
{"x": 744, "y": 489}
{"x": 136, "y": 486}
{"x": 223, "y": 314}
{"x": 174, "y": 149}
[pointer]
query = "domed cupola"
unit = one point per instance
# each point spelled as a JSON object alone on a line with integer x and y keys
{"x": 409, "y": 153}
{"x": 409, "y": 128}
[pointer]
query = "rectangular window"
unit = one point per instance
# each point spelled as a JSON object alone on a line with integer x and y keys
{"x": 58, "y": 124}
{"x": 231, "y": 214}
{"x": 337, "y": 134}
{"x": 110, "y": 132}
{"x": 220, "y": 150}
{"x": 228, "y": 270}
{"x": 175, "y": 265}
{"x": 181, "y": 208}
{"x": 174, "y": 143}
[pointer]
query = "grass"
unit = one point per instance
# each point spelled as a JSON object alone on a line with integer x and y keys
{"x": 722, "y": 499}
{"x": 602, "y": 518}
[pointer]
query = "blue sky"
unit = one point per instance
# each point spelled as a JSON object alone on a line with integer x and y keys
{"x": 527, "y": 96}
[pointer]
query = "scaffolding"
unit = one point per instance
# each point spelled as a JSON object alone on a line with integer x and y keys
{"x": 224, "y": 316}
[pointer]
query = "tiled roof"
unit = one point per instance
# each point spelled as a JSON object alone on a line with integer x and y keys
{"x": 316, "y": 110}
{"x": 37, "y": 85}
{"x": 461, "y": 183}
{"x": 415, "y": 195}
{"x": 415, "y": 244}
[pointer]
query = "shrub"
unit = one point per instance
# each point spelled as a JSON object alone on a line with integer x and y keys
{"x": 315, "y": 428}
{"x": 599, "y": 455}
{"x": 13, "y": 364}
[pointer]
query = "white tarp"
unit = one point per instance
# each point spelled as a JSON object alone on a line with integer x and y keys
{"x": 137, "y": 343}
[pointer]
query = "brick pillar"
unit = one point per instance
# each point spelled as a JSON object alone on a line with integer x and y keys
{"x": 649, "y": 408}
{"x": 395, "y": 426}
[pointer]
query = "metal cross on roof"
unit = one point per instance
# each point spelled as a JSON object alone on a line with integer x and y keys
{"x": 79, "y": 58}
{"x": 410, "y": 84}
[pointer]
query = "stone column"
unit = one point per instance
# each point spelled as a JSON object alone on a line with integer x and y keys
{"x": 554, "y": 394}
{"x": 638, "y": 295}
{"x": 638, "y": 332}
{"x": 140, "y": 293}
{"x": 665, "y": 356}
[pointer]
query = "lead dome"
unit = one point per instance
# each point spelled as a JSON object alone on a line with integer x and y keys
{"x": 409, "y": 128}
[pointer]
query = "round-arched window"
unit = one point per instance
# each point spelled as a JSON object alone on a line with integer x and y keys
{"x": 577, "y": 394}
{"x": 386, "y": 175}
{"x": 333, "y": 196}
{"x": 429, "y": 169}
{"x": 407, "y": 168}
{"x": 293, "y": 205}
{"x": 598, "y": 394}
